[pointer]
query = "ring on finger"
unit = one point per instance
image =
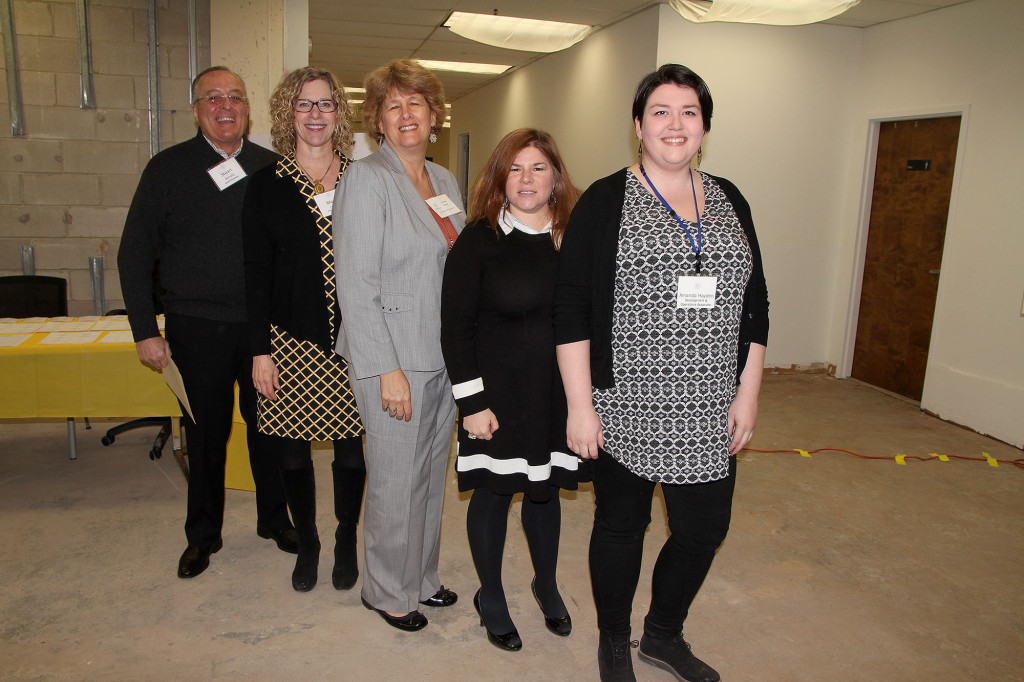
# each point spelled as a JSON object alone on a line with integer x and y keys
{"x": 471, "y": 436}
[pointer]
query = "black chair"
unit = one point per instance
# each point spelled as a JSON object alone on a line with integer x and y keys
{"x": 33, "y": 296}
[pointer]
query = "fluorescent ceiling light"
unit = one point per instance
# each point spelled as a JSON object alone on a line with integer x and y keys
{"x": 465, "y": 67}
{"x": 515, "y": 33}
{"x": 774, "y": 12}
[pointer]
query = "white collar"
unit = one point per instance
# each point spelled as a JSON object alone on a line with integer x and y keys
{"x": 223, "y": 154}
{"x": 509, "y": 222}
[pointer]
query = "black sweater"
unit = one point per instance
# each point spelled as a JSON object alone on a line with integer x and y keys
{"x": 585, "y": 292}
{"x": 179, "y": 217}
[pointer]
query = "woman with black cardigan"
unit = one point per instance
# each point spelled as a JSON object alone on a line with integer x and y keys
{"x": 661, "y": 321}
{"x": 294, "y": 316}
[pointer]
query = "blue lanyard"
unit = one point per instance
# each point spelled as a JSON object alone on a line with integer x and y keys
{"x": 699, "y": 246}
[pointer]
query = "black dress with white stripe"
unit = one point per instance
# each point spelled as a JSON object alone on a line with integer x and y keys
{"x": 498, "y": 344}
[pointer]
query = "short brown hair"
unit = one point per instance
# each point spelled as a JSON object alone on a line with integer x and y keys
{"x": 282, "y": 115}
{"x": 406, "y": 76}
{"x": 487, "y": 197}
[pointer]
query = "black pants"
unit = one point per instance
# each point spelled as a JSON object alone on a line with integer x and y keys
{"x": 698, "y": 519}
{"x": 212, "y": 356}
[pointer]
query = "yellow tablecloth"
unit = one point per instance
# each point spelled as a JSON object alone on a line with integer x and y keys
{"x": 97, "y": 380}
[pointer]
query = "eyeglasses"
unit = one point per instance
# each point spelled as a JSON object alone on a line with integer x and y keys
{"x": 216, "y": 100}
{"x": 324, "y": 105}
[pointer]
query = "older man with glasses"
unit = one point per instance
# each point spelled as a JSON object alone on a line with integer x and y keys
{"x": 186, "y": 216}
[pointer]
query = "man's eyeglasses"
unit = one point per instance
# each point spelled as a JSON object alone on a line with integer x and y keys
{"x": 324, "y": 105}
{"x": 217, "y": 100}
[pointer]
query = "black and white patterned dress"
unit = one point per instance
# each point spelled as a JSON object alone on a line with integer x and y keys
{"x": 315, "y": 401}
{"x": 675, "y": 369}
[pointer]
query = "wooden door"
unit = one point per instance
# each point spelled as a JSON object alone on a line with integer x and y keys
{"x": 909, "y": 209}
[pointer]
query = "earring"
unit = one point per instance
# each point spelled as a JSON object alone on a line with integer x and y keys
{"x": 700, "y": 155}
{"x": 552, "y": 199}
{"x": 506, "y": 203}
{"x": 433, "y": 136}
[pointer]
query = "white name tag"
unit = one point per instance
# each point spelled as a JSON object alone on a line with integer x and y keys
{"x": 325, "y": 202}
{"x": 696, "y": 292}
{"x": 443, "y": 206}
{"x": 226, "y": 173}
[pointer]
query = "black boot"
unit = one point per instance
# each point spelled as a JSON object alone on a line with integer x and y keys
{"x": 348, "y": 498}
{"x": 300, "y": 489}
{"x": 614, "y": 661}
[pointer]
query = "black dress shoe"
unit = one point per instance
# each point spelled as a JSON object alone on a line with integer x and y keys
{"x": 443, "y": 597}
{"x": 287, "y": 540}
{"x": 410, "y": 622}
{"x": 507, "y": 642}
{"x": 559, "y": 626}
{"x": 194, "y": 560}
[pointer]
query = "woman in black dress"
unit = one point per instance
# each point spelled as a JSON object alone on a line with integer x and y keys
{"x": 294, "y": 317}
{"x": 498, "y": 344}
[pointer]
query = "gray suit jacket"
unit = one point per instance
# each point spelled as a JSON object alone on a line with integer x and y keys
{"x": 389, "y": 254}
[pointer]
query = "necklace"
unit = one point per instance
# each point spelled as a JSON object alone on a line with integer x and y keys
{"x": 318, "y": 186}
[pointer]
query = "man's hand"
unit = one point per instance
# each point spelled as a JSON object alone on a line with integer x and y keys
{"x": 154, "y": 352}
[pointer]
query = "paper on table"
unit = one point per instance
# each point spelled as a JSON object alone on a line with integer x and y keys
{"x": 118, "y": 337}
{"x": 19, "y": 327}
{"x": 117, "y": 322}
{"x": 53, "y": 326}
{"x": 13, "y": 340}
{"x": 70, "y": 338}
{"x": 173, "y": 378}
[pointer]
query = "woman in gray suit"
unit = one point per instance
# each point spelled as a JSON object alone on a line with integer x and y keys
{"x": 396, "y": 215}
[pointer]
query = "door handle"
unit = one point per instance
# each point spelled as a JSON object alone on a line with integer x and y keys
{"x": 933, "y": 272}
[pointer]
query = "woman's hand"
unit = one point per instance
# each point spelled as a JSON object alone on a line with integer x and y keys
{"x": 583, "y": 433}
{"x": 265, "y": 376}
{"x": 481, "y": 424}
{"x": 395, "y": 395}
{"x": 742, "y": 417}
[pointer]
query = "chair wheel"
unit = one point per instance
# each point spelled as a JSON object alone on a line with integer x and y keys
{"x": 154, "y": 454}
{"x": 107, "y": 440}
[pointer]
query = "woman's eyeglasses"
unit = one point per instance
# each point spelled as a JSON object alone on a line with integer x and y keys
{"x": 324, "y": 105}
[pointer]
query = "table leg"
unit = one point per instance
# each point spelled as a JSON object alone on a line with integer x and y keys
{"x": 72, "y": 449}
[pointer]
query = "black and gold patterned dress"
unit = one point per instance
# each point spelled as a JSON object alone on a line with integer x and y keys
{"x": 315, "y": 401}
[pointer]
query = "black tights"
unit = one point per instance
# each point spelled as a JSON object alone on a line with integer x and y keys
{"x": 486, "y": 525}
{"x": 294, "y": 453}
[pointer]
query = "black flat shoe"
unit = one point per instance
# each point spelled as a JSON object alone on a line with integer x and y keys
{"x": 559, "y": 626}
{"x": 410, "y": 622}
{"x": 443, "y": 597}
{"x": 287, "y": 540}
{"x": 506, "y": 642}
{"x": 194, "y": 560}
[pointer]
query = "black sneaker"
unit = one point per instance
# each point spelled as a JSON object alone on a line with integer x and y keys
{"x": 674, "y": 655}
{"x": 613, "y": 659}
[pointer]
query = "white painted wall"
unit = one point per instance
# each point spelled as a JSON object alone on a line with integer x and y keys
{"x": 967, "y": 56}
{"x": 793, "y": 112}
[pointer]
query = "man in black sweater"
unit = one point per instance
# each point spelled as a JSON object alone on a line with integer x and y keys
{"x": 186, "y": 214}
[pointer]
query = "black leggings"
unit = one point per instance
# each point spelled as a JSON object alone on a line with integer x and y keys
{"x": 698, "y": 519}
{"x": 293, "y": 453}
{"x": 486, "y": 524}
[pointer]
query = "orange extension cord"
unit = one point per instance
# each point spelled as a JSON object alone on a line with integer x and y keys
{"x": 902, "y": 459}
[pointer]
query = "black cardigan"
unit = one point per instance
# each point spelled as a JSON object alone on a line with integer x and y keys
{"x": 585, "y": 292}
{"x": 179, "y": 217}
{"x": 284, "y": 280}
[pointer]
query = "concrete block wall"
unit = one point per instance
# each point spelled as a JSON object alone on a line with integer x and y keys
{"x": 66, "y": 184}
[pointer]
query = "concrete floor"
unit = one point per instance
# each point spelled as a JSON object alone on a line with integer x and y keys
{"x": 836, "y": 569}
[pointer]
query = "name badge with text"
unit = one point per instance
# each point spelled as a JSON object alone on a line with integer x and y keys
{"x": 226, "y": 173}
{"x": 325, "y": 202}
{"x": 443, "y": 206}
{"x": 696, "y": 292}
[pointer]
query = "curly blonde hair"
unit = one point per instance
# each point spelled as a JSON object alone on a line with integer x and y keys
{"x": 406, "y": 76}
{"x": 282, "y": 116}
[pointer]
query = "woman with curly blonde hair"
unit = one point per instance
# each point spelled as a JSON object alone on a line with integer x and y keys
{"x": 294, "y": 316}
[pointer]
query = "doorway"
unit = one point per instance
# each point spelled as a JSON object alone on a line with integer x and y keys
{"x": 907, "y": 226}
